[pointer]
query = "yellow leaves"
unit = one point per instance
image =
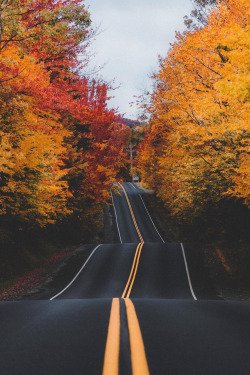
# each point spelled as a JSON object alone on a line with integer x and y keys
{"x": 20, "y": 68}
{"x": 241, "y": 179}
{"x": 31, "y": 165}
{"x": 6, "y": 161}
{"x": 60, "y": 146}
{"x": 195, "y": 150}
{"x": 102, "y": 145}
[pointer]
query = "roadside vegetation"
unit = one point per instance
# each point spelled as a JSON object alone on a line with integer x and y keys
{"x": 195, "y": 153}
{"x": 61, "y": 147}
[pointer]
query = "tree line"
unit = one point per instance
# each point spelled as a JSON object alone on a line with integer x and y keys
{"x": 196, "y": 150}
{"x": 61, "y": 147}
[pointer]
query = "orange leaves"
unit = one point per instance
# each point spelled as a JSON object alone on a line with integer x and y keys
{"x": 199, "y": 130}
{"x": 240, "y": 187}
{"x": 60, "y": 147}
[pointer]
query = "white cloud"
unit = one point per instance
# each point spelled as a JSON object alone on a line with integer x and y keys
{"x": 134, "y": 33}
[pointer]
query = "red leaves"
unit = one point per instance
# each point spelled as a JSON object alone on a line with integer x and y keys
{"x": 62, "y": 146}
{"x": 31, "y": 281}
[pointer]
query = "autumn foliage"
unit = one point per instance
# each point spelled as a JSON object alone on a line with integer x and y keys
{"x": 196, "y": 150}
{"x": 61, "y": 147}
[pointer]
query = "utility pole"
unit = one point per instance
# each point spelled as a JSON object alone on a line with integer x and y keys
{"x": 131, "y": 161}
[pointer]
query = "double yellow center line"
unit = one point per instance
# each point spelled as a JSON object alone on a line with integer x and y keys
{"x": 138, "y": 355}
{"x": 132, "y": 214}
{"x": 131, "y": 279}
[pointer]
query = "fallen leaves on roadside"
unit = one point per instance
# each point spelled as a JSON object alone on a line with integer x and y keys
{"x": 34, "y": 279}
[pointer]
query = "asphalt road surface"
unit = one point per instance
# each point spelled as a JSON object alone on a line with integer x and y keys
{"x": 130, "y": 309}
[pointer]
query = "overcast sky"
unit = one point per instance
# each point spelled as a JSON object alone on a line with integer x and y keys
{"x": 133, "y": 33}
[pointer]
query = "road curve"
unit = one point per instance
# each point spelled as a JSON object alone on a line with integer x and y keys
{"x": 130, "y": 309}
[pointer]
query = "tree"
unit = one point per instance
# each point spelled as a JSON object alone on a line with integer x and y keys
{"x": 58, "y": 139}
{"x": 198, "y": 16}
{"x": 197, "y": 144}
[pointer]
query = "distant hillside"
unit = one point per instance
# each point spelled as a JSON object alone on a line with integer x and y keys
{"x": 129, "y": 122}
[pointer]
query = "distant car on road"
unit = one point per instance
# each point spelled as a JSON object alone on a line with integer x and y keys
{"x": 135, "y": 179}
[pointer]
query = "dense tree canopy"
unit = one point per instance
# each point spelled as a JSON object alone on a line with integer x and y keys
{"x": 61, "y": 147}
{"x": 196, "y": 150}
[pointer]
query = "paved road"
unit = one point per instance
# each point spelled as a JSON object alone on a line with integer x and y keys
{"x": 131, "y": 309}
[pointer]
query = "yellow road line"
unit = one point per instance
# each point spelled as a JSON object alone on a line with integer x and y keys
{"x": 111, "y": 357}
{"x": 131, "y": 279}
{"x": 132, "y": 214}
{"x": 138, "y": 355}
{"x": 138, "y": 249}
{"x": 135, "y": 271}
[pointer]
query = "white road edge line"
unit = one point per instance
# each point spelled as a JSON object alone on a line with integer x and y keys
{"x": 78, "y": 273}
{"x": 116, "y": 218}
{"x": 188, "y": 275}
{"x": 133, "y": 185}
{"x": 151, "y": 219}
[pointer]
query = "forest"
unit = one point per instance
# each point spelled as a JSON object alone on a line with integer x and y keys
{"x": 195, "y": 154}
{"x": 61, "y": 147}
